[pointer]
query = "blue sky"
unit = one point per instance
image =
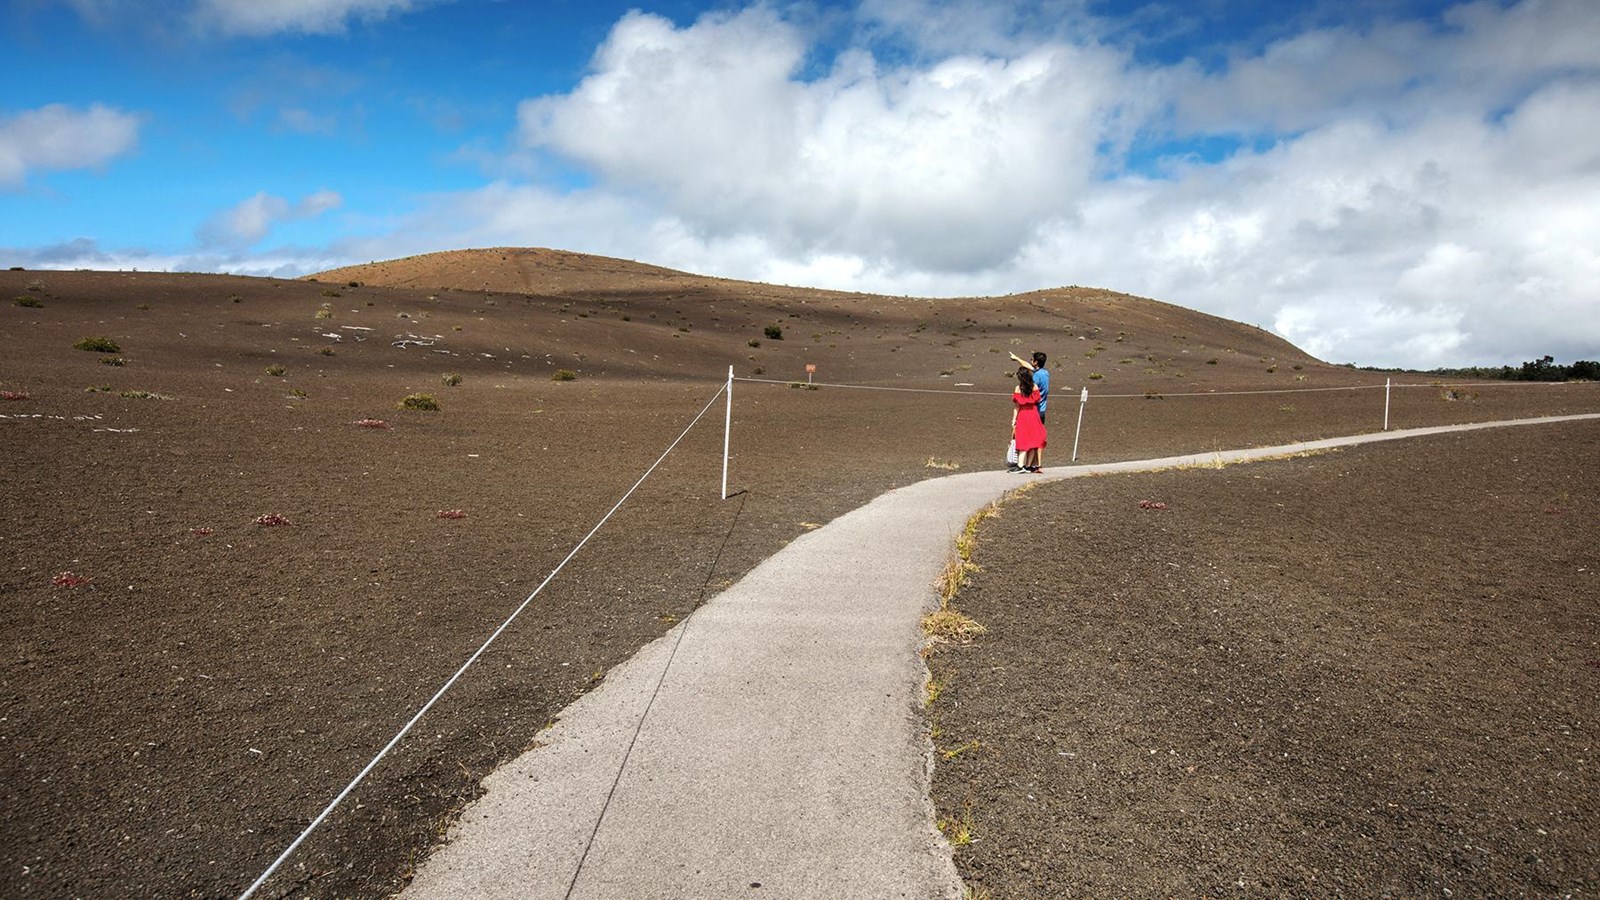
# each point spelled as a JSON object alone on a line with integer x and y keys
{"x": 1394, "y": 183}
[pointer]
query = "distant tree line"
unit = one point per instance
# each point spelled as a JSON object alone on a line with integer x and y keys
{"x": 1543, "y": 369}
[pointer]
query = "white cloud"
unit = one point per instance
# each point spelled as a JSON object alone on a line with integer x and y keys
{"x": 266, "y": 17}
{"x": 251, "y": 220}
{"x": 946, "y": 167}
{"x": 1432, "y": 196}
{"x": 60, "y": 137}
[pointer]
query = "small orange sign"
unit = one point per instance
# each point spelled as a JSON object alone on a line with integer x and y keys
{"x": 810, "y": 367}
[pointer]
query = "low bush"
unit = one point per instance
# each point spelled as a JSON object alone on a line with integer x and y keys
{"x": 564, "y": 375}
{"x": 773, "y": 332}
{"x": 422, "y": 402}
{"x": 451, "y": 379}
{"x": 275, "y": 370}
{"x": 752, "y": 343}
{"x": 98, "y": 345}
{"x": 30, "y": 302}
{"x": 113, "y": 361}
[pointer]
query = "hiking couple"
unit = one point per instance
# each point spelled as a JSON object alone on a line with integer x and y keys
{"x": 1028, "y": 400}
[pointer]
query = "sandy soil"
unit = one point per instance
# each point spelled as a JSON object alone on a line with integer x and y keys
{"x": 1366, "y": 673}
{"x": 169, "y": 726}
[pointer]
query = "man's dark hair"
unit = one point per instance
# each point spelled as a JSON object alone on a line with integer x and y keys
{"x": 1038, "y": 358}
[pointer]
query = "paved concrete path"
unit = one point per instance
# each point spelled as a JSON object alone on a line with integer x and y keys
{"x": 770, "y": 745}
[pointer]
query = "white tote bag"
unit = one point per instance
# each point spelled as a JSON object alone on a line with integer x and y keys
{"x": 1011, "y": 453}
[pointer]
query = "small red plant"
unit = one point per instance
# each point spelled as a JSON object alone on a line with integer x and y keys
{"x": 452, "y": 514}
{"x": 1152, "y": 504}
{"x": 202, "y": 531}
{"x": 372, "y": 423}
{"x": 13, "y": 395}
{"x": 272, "y": 520}
{"x": 67, "y": 579}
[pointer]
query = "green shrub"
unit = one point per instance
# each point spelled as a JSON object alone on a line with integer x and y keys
{"x": 564, "y": 375}
{"x": 143, "y": 395}
{"x": 773, "y": 332}
{"x": 324, "y": 313}
{"x": 423, "y": 402}
{"x": 752, "y": 343}
{"x": 451, "y": 379}
{"x": 1095, "y": 376}
{"x": 112, "y": 361}
{"x": 275, "y": 370}
{"x": 30, "y": 302}
{"x": 329, "y": 292}
{"x": 98, "y": 345}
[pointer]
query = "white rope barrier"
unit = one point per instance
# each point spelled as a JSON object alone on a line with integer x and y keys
{"x": 1354, "y": 387}
{"x": 472, "y": 659}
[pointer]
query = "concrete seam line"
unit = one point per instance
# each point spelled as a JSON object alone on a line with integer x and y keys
{"x": 638, "y": 727}
{"x": 256, "y": 885}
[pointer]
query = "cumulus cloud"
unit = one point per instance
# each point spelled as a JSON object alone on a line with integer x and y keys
{"x": 946, "y": 167}
{"x": 1404, "y": 193}
{"x": 60, "y": 137}
{"x": 251, "y": 220}
{"x": 265, "y": 17}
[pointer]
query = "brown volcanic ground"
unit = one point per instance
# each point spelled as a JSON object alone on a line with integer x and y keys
{"x": 167, "y": 728}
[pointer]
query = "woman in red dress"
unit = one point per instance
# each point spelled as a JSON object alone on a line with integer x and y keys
{"x": 1026, "y": 426}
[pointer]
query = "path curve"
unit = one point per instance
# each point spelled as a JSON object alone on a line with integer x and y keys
{"x": 783, "y": 753}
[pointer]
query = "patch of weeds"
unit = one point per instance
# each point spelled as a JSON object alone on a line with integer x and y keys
{"x": 143, "y": 395}
{"x": 30, "y": 302}
{"x": 758, "y": 371}
{"x": 627, "y": 318}
{"x": 142, "y": 306}
{"x": 564, "y": 375}
{"x": 752, "y": 343}
{"x": 330, "y": 292}
{"x": 954, "y": 752}
{"x": 1153, "y": 395}
{"x": 98, "y": 345}
{"x": 298, "y": 394}
{"x": 1125, "y": 362}
{"x": 455, "y": 327}
{"x": 421, "y": 402}
{"x": 1212, "y": 361}
{"x": 113, "y": 361}
{"x": 275, "y": 370}
{"x": 773, "y": 332}
{"x": 936, "y": 464}
{"x": 934, "y": 689}
{"x": 451, "y": 379}
{"x": 236, "y": 298}
{"x": 958, "y": 831}
{"x": 324, "y": 313}
{"x": 801, "y": 385}
{"x": 325, "y": 351}
{"x": 91, "y": 389}
{"x": 1095, "y": 376}
{"x": 1272, "y": 368}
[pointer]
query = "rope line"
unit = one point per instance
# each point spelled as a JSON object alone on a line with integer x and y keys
{"x": 650, "y": 704}
{"x": 472, "y": 659}
{"x": 1356, "y": 387}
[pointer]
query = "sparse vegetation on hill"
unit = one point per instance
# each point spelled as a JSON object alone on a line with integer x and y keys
{"x": 98, "y": 345}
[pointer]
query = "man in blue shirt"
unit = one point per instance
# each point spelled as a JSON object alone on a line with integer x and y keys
{"x": 1041, "y": 378}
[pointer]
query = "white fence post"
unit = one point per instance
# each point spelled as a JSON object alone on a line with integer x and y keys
{"x": 1083, "y": 400}
{"x": 727, "y": 433}
{"x": 1386, "y": 383}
